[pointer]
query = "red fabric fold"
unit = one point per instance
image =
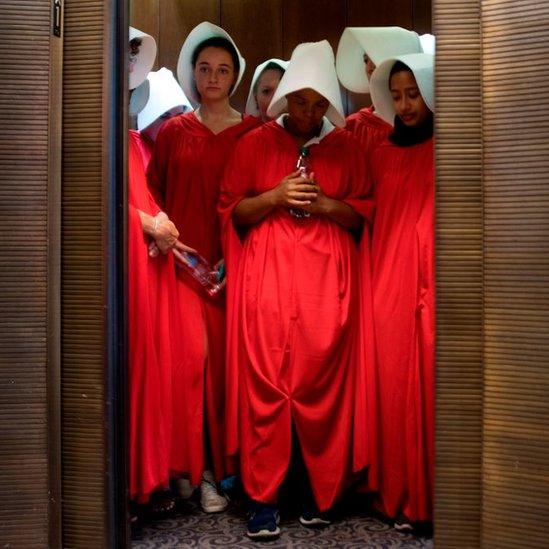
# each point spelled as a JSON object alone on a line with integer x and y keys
{"x": 293, "y": 297}
{"x": 403, "y": 285}
{"x": 185, "y": 175}
{"x": 152, "y": 329}
{"x": 369, "y": 129}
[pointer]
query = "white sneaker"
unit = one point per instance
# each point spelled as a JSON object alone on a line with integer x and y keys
{"x": 210, "y": 499}
{"x": 184, "y": 488}
{"x": 402, "y": 524}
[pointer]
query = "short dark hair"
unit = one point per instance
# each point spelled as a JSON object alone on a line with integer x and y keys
{"x": 399, "y": 66}
{"x": 217, "y": 42}
{"x": 270, "y": 66}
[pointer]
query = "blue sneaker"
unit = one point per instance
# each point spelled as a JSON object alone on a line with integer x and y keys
{"x": 263, "y": 521}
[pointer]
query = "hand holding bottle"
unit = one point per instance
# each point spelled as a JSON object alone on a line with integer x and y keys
{"x": 294, "y": 191}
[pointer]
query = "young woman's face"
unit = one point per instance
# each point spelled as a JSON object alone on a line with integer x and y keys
{"x": 268, "y": 82}
{"x": 306, "y": 109}
{"x": 409, "y": 104}
{"x": 369, "y": 67}
{"x": 214, "y": 74}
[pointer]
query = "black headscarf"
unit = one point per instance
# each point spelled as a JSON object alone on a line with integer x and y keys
{"x": 406, "y": 136}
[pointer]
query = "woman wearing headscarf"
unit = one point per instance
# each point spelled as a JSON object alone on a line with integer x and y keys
{"x": 152, "y": 320}
{"x": 291, "y": 250}
{"x": 163, "y": 100}
{"x": 185, "y": 173}
{"x": 359, "y": 51}
{"x": 403, "y": 282}
{"x": 265, "y": 80}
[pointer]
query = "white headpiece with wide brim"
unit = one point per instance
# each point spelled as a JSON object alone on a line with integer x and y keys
{"x": 251, "y": 104}
{"x": 311, "y": 66}
{"x": 378, "y": 43}
{"x": 165, "y": 94}
{"x": 145, "y": 58}
{"x": 422, "y": 66}
{"x": 185, "y": 71}
{"x": 428, "y": 43}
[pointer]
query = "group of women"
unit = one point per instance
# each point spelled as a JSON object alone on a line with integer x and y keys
{"x": 319, "y": 347}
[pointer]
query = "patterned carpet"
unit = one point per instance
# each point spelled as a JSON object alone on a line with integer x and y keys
{"x": 190, "y": 527}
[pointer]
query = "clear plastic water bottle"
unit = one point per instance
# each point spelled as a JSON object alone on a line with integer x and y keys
{"x": 304, "y": 168}
{"x": 201, "y": 270}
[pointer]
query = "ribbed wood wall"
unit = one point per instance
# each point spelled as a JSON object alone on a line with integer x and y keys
{"x": 83, "y": 316}
{"x": 459, "y": 274}
{"x": 25, "y": 70}
{"x": 516, "y": 193}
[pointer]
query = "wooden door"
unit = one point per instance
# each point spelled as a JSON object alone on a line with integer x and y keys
{"x": 30, "y": 117}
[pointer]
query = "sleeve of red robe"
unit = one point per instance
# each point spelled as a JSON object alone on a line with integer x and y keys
{"x": 236, "y": 185}
{"x": 159, "y": 164}
{"x": 150, "y": 354}
{"x": 360, "y": 198}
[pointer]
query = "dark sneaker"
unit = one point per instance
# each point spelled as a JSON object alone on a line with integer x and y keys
{"x": 263, "y": 521}
{"x": 312, "y": 518}
{"x": 402, "y": 524}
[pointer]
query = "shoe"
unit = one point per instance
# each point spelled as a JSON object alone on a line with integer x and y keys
{"x": 263, "y": 521}
{"x": 402, "y": 524}
{"x": 161, "y": 504}
{"x": 184, "y": 488}
{"x": 210, "y": 499}
{"x": 312, "y": 518}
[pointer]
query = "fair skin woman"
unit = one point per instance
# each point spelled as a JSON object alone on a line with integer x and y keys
{"x": 214, "y": 76}
{"x": 306, "y": 109}
{"x": 265, "y": 88}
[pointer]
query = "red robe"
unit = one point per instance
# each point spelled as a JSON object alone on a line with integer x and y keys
{"x": 368, "y": 128}
{"x": 185, "y": 174}
{"x": 152, "y": 324}
{"x": 403, "y": 282}
{"x": 294, "y": 318}
{"x": 145, "y": 147}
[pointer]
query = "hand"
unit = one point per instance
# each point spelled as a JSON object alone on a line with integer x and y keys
{"x": 294, "y": 191}
{"x": 164, "y": 234}
{"x": 321, "y": 205}
{"x": 153, "y": 249}
{"x": 179, "y": 249}
{"x": 221, "y": 264}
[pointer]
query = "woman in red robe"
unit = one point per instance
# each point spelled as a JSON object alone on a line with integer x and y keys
{"x": 152, "y": 332}
{"x": 150, "y": 357}
{"x": 185, "y": 174}
{"x": 294, "y": 310}
{"x": 403, "y": 281}
{"x": 360, "y": 50}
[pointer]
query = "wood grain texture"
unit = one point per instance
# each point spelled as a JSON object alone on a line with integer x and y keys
{"x": 516, "y": 346}
{"x": 177, "y": 19}
{"x": 267, "y": 29}
{"x": 82, "y": 296}
{"x": 459, "y": 389}
{"x": 372, "y": 13}
{"x": 25, "y": 175}
{"x": 145, "y": 16}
